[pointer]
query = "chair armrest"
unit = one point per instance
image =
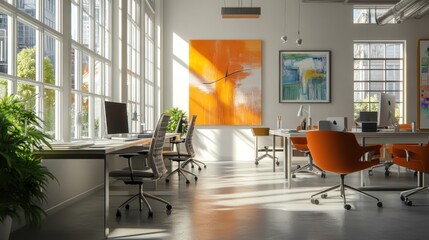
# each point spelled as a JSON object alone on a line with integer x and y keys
{"x": 370, "y": 151}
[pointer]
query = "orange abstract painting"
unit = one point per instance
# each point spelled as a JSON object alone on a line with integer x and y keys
{"x": 225, "y": 81}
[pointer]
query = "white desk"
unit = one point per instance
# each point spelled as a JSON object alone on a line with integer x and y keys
{"x": 106, "y": 153}
{"x": 362, "y": 137}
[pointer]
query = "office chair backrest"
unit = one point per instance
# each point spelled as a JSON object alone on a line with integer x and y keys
{"x": 189, "y": 135}
{"x": 335, "y": 151}
{"x": 258, "y": 132}
{"x": 418, "y": 156}
{"x": 179, "y": 127}
{"x": 155, "y": 158}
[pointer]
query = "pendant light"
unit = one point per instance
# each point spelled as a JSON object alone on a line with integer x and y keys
{"x": 284, "y": 37}
{"x": 299, "y": 40}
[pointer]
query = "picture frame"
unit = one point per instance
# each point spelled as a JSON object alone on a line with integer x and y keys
{"x": 304, "y": 76}
{"x": 423, "y": 84}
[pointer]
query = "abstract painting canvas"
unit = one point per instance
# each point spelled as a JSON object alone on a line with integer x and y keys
{"x": 304, "y": 76}
{"x": 225, "y": 81}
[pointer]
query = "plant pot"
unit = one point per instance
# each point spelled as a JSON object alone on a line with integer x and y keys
{"x": 5, "y": 228}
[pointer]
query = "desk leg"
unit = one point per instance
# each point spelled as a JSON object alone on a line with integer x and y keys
{"x": 274, "y": 153}
{"x": 362, "y": 172}
{"x": 106, "y": 195}
{"x": 288, "y": 159}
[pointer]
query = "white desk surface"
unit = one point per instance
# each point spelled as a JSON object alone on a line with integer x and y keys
{"x": 364, "y": 138}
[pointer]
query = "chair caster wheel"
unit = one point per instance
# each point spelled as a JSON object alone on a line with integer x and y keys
{"x": 118, "y": 214}
{"x": 199, "y": 168}
{"x": 256, "y": 163}
{"x": 402, "y": 198}
{"x": 415, "y": 174}
{"x": 205, "y": 166}
{"x": 127, "y": 207}
{"x": 196, "y": 178}
{"x": 347, "y": 206}
{"x": 323, "y": 175}
{"x": 324, "y": 195}
{"x": 150, "y": 214}
{"x": 298, "y": 166}
{"x": 169, "y": 207}
{"x": 278, "y": 163}
{"x": 167, "y": 180}
{"x": 187, "y": 182}
{"x": 408, "y": 202}
{"x": 293, "y": 176}
{"x": 386, "y": 173}
{"x": 314, "y": 201}
{"x": 370, "y": 172}
{"x": 192, "y": 166}
{"x": 379, "y": 204}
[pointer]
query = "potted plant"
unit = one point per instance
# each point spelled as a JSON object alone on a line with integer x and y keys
{"x": 176, "y": 115}
{"x": 23, "y": 178}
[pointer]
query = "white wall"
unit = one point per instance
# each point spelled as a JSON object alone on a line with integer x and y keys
{"x": 324, "y": 26}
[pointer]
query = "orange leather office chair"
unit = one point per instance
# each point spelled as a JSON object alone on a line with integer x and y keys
{"x": 388, "y": 152}
{"x": 263, "y": 132}
{"x": 300, "y": 144}
{"x": 339, "y": 152}
{"x": 414, "y": 157}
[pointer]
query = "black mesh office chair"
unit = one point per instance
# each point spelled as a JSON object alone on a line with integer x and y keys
{"x": 136, "y": 176}
{"x": 184, "y": 157}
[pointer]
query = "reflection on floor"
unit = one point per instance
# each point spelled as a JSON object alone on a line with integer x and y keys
{"x": 238, "y": 200}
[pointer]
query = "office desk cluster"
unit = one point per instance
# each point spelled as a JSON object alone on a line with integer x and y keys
{"x": 364, "y": 138}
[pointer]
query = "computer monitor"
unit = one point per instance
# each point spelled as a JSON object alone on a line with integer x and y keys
{"x": 386, "y": 111}
{"x": 116, "y": 117}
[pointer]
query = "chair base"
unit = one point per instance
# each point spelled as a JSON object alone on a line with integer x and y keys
{"x": 266, "y": 155}
{"x": 405, "y": 194}
{"x": 180, "y": 171}
{"x": 342, "y": 188}
{"x": 310, "y": 167}
{"x": 386, "y": 166}
{"x": 193, "y": 162}
{"x": 141, "y": 196}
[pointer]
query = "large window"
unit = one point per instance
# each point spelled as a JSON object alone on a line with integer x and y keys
{"x": 368, "y": 14}
{"x": 91, "y": 67}
{"x": 134, "y": 77}
{"x": 378, "y": 68}
{"x": 150, "y": 81}
{"x": 30, "y": 43}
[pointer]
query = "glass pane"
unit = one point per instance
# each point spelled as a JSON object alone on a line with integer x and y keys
{"x": 361, "y": 64}
{"x": 49, "y": 59}
{"x": 27, "y": 91}
{"x": 377, "y": 50}
{"x": 85, "y": 73}
{"x": 75, "y": 22}
{"x": 394, "y": 50}
{"x": 377, "y": 64}
{"x": 84, "y": 116}
{"x": 26, "y": 49}
{"x": 394, "y": 64}
{"x": 360, "y": 86}
{"x": 4, "y": 88}
{"x": 27, "y": 6}
{"x": 73, "y": 68}
{"x": 49, "y": 111}
{"x": 85, "y": 29}
{"x": 50, "y": 13}
{"x": 361, "y": 96}
{"x": 98, "y": 117}
{"x": 85, "y": 6}
{"x": 97, "y": 77}
{"x": 98, "y": 38}
{"x": 394, "y": 86}
{"x": 394, "y": 75}
{"x": 376, "y": 75}
{"x": 361, "y": 50}
{"x": 98, "y": 11}
{"x": 3, "y": 43}
{"x": 376, "y": 86}
{"x": 107, "y": 81}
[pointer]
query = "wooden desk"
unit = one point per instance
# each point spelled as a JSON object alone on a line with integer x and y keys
{"x": 362, "y": 137}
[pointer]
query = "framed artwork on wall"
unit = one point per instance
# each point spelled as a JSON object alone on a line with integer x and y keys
{"x": 225, "y": 79}
{"x": 304, "y": 76}
{"x": 423, "y": 85}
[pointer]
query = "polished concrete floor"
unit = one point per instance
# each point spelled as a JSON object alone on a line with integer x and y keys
{"x": 238, "y": 200}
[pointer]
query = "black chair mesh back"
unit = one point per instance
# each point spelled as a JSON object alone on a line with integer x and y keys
{"x": 155, "y": 159}
{"x": 189, "y": 136}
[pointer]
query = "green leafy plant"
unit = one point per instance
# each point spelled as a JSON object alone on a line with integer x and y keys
{"x": 23, "y": 178}
{"x": 176, "y": 114}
